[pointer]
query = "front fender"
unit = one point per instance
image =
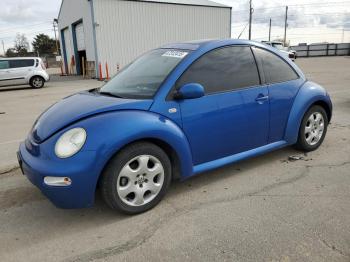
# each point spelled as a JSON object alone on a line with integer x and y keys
{"x": 109, "y": 132}
{"x": 308, "y": 94}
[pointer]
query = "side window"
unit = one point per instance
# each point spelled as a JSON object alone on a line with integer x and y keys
{"x": 223, "y": 69}
{"x": 4, "y": 64}
{"x": 21, "y": 63}
{"x": 275, "y": 69}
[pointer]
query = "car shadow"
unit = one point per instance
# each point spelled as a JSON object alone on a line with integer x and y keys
{"x": 101, "y": 213}
{"x": 38, "y": 214}
{"x": 14, "y": 88}
{"x": 231, "y": 170}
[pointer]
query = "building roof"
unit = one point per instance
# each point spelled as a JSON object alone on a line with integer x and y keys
{"x": 186, "y": 2}
{"x": 178, "y": 2}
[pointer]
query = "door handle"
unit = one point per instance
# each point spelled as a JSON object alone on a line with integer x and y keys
{"x": 261, "y": 99}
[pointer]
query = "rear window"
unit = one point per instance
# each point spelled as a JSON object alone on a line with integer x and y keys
{"x": 21, "y": 63}
{"x": 275, "y": 68}
{"x": 4, "y": 64}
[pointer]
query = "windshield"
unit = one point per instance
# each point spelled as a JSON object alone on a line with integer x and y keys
{"x": 143, "y": 77}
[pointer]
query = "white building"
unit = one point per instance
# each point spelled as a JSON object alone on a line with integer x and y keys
{"x": 117, "y": 31}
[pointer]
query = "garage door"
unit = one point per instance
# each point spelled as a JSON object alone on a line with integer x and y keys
{"x": 79, "y": 32}
{"x": 68, "y": 46}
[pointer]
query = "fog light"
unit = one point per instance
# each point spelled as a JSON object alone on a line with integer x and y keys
{"x": 57, "y": 181}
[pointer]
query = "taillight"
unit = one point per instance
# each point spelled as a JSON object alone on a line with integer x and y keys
{"x": 42, "y": 65}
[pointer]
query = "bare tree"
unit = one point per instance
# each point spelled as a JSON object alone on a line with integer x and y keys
{"x": 21, "y": 45}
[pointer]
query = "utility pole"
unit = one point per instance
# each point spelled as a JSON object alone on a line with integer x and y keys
{"x": 270, "y": 31}
{"x": 3, "y": 47}
{"x": 55, "y": 21}
{"x": 250, "y": 19}
{"x": 285, "y": 26}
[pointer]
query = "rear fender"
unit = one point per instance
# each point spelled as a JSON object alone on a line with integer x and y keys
{"x": 309, "y": 94}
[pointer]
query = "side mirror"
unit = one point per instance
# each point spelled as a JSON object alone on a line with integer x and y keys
{"x": 190, "y": 91}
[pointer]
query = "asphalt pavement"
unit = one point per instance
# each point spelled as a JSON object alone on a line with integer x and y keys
{"x": 269, "y": 208}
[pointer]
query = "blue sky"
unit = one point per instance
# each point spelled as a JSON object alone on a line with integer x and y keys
{"x": 309, "y": 20}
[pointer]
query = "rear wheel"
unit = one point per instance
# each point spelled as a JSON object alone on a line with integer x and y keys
{"x": 137, "y": 178}
{"x": 37, "y": 82}
{"x": 313, "y": 129}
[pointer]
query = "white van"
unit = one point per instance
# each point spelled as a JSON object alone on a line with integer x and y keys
{"x": 23, "y": 70}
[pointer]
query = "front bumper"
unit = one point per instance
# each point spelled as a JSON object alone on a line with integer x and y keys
{"x": 80, "y": 168}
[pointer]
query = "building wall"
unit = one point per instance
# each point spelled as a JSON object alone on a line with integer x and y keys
{"x": 71, "y": 12}
{"x": 126, "y": 29}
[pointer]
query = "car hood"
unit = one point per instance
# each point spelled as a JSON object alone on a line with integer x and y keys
{"x": 78, "y": 106}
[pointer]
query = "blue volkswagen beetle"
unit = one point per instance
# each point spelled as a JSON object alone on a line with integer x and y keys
{"x": 174, "y": 112}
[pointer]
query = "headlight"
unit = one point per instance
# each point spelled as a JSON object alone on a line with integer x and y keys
{"x": 70, "y": 142}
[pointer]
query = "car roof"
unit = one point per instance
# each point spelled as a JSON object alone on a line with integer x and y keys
{"x": 196, "y": 44}
{"x": 202, "y": 46}
{"x": 272, "y": 42}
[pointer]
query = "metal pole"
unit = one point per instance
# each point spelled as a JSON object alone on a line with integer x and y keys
{"x": 270, "y": 31}
{"x": 3, "y": 47}
{"x": 54, "y": 29}
{"x": 285, "y": 26}
{"x": 250, "y": 19}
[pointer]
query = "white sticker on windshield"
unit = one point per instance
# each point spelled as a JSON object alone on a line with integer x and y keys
{"x": 176, "y": 54}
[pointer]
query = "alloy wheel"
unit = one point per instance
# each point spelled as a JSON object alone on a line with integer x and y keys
{"x": 314, "y": 128}
{"x": 140, "y": 180}
{"x": 37, "y": 82}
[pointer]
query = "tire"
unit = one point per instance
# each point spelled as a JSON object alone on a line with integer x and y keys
{"x": 311, "y": 134}
{"x": 136, "y": 179}
{"x": 37, "y": 82}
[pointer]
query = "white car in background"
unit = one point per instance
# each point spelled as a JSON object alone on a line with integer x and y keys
{"x": 23, "y": 70}
{"x": 286, "y": 51}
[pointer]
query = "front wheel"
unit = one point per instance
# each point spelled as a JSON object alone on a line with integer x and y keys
{"x": 137, "y": 178}
{"x": 313, "y": 129}
{"x": 37, "y": 82}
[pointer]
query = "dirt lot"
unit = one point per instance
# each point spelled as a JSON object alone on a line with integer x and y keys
{"x": 264, "y": 209}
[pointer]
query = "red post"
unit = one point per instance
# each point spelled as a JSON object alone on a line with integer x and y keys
{"x": 61, "y": 65}
{"x": 100, "y": 71}
{"x": 107, "y": 72}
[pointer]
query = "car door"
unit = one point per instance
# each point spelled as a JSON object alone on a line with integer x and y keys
{"x": 283, "y": 84}
{"x": 4, "y": 68}
{"x": 233, "y": 116}
{"x": 20, "y": 68}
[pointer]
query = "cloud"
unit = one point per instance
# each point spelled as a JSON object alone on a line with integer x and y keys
{"x": 19, "y": 12}
{"x": 26, "y": 17}
{"x": 301, "y": 14}
{"x": 16, "y": 13}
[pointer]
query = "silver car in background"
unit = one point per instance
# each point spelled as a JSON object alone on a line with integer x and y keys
{"x": 286, "y": 51}
{"x": 23, "y": 70}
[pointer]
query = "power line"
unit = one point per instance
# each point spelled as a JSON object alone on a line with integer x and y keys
{"x": 9, "y": 29}
{"x": 242, "y": 31}
{"x": 295, "y": 6}
{"x": 27, "y": 33}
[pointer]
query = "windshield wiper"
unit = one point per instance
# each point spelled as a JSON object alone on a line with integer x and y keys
{"x": 109, "y": 94}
